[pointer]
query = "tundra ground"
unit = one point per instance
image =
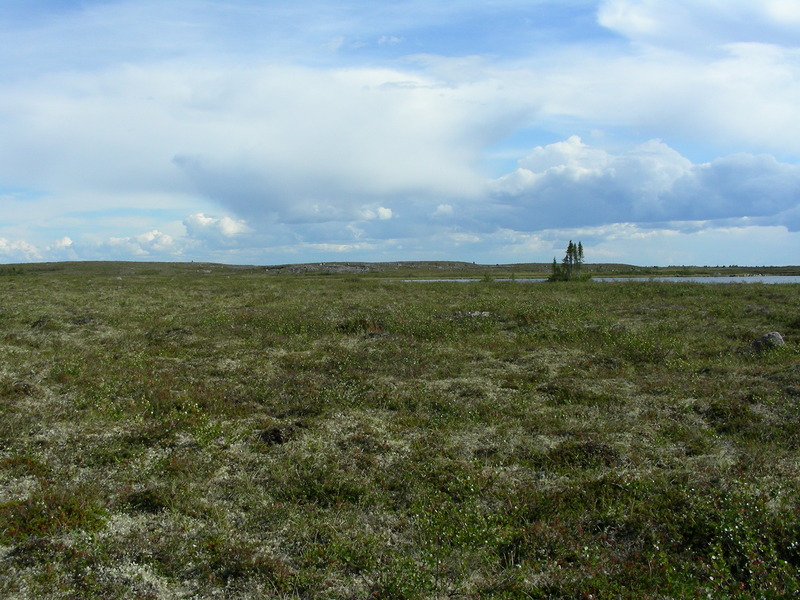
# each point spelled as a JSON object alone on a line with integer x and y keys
{"x": 183, "y": 432}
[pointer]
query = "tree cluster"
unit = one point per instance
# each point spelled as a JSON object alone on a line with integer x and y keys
{"x": 570, "y": 267}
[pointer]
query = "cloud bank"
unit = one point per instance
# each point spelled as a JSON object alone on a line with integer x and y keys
{"x": 248, "y": 132}
{"x": 572, "y": 184}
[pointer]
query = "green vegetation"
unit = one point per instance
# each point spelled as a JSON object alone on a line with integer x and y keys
{"x": 197, "y": 431}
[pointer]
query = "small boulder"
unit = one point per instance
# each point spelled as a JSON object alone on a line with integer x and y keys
{"x": 773, "y": 339}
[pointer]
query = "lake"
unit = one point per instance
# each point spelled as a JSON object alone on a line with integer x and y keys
{"x": 768, "y": 279}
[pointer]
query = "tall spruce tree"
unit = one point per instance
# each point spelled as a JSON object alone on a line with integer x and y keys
{"x": 569, "y": 259}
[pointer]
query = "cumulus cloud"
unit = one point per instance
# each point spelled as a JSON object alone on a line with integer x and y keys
{"x": 219, "y": 230}
{"x": 64, "y": 242}
{"x": 152, "y": 244}
{"x": 571, "y": 184}
{"x": 18, "y": 251}
{"x": 380, "y": 213}
{"x": 61, "y": 249}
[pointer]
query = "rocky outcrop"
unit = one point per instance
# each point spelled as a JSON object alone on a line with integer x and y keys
{"x": 770, "y": 340}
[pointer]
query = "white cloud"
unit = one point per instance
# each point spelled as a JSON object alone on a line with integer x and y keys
{"x": 443, "y": 210}
{"x": 200, "y": 226}
{"x": 741, "y": 97}
{"x": 389, "y": 40}
{"x": 572, "y": 184}
{"x": 152, "y": 244}
{"x": 571, "y": 154}
{"x": 18, "y": 251}
{"x": 279, "y": 142}
{"x": 696, "y": 24}
{"x": 64, "y": 242}
{"x": 155, "y": 240}
{"x": 61, "y": 249}
{"x": 783, "y": 12}
{"x": 381, "y": 213}
{"x": 709, "y": 245}
{"x": 267, "y": 142}
{"x": 320, "y": 144}
{"x": 459, "y": 238}
{"x": 342, "y": 248}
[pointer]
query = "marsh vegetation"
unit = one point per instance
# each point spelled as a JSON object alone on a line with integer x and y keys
{"x": 177, "y": 431}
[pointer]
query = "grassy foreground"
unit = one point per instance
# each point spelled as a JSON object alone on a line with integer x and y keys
{"x": 178, "y": 432}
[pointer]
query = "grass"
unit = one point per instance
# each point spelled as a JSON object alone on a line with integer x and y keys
{"x": 181, "y": 431}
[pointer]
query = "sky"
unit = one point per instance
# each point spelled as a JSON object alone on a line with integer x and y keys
{"x": 656, "y": 132}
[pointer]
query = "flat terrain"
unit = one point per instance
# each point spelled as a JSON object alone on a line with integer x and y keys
{"x": 200, "y": 431}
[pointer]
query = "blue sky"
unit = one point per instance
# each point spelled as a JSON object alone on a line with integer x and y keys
{"x": 657, "y": 132}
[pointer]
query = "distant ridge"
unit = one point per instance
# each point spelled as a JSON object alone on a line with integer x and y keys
{"x": 406, "y": 268}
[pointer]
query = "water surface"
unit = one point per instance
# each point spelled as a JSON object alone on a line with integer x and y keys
{"x": 769, "y": 279}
